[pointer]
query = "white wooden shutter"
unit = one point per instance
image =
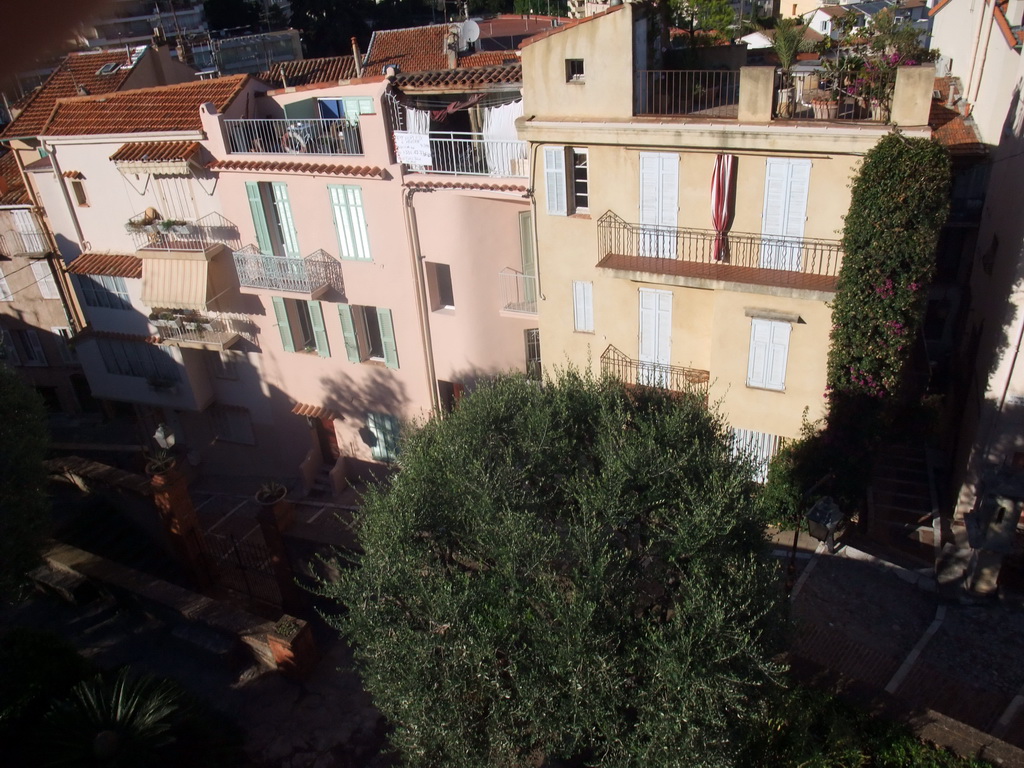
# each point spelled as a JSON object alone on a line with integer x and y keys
{"x": 778, "y": 353}
{"x": 350, "y": 221}
{"x": 757, "y": 362}
{"x": 583, "y": 306}
{"x": 285, "y": 222}
{"x": 776, "y": 182}
{"x": 659, "y": 202}
{"x": 44, "y": 280}
{"x": 796, "y": 193}
{"x": 5, "y": 290}
{"x": 655, "y": 326}
{"x": 555, "y": 186}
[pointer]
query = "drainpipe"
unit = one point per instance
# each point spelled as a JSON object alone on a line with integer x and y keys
{"x": 412, "y": 232}
{"x": 534, "y": 218}
{"x": 975, "y": 85}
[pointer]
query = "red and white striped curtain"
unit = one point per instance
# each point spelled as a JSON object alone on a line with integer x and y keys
{"x": 721, "y": 203}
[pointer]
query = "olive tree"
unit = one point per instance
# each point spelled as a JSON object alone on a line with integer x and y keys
{"x": 565, "y": 574}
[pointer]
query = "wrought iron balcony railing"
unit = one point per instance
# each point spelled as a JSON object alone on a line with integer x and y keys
{"x": 207, "y": 330}
{"x": 275, "y": 136}
{"x": 698, "y": 93}
{"x": 518, "y": 292}
{"x": 307, "y": 275}
{"x": 676, "y": 378}
{"x": 176, "y": 235}
{"x": 16, "y": 243}
{"x": 471, "y": 154}
{"x": 738, "y": 256}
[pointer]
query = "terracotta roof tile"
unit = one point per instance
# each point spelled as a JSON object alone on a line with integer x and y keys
{"x": 112, "y": 264}
{"x": 156, "y": 151}
{"x": 324, "y": 169}
{"x": 462, "y": 78}
{"x": 12, "y": 188}
{"x": 489, "y": 58}
{"x": 308, "y": 71}
{"x": 161, "y": 108}
{"x": 459, "y": 185}
{"x": 77, "y": 69}
{"x": 568, "y": 25}
{"x": 73, "y": 175}
{"x": 950, "y": 128}
{"x": 314, "y": 411}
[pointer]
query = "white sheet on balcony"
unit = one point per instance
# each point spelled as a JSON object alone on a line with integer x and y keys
{"x": 417, "y": 121}
{"x": 175, "y": 283}
{"x": 499, "y": 131}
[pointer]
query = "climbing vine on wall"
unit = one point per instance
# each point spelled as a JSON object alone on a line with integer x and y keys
{"x": 900, "y": 202}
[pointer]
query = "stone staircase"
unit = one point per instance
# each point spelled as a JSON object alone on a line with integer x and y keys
{"x": 903, "y": 514}
{"x": 321, "y": 487}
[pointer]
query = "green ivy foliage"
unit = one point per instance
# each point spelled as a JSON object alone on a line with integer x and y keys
{"x": 566, "y": 574}
{"x": 899, "y": 204}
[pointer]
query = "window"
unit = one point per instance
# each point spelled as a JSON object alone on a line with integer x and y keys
{"x": 78, "y": 190}
{"x": 231, "y": 424}
{"x": 439, "y": 286}
{"x": 31, "y": 348}
{"x": 301, "y": 324}
{"x": 65, "y": 344}
{"x": 8, "y": 352}
{"x": 574, "y": 72}
{"x": 824, "y": 26}
{"x": 349, "y": 107}
{"x": 369, "y": 334}
{"x": 350, "y": 222}
{"x": 5, "y": 290}
{"x": 759, "y": 448}
{"x": 104, "y": 291}
{"x": 533, "y": 367}
{"x": 583, "y": 306}
{"x": 272, "y": 218}
{"x": 44, "y": 279}
{"x": 223, "y": 364}
{"x": 449, "y": 393}
{"x": 566, "y": 180}
{"x": 139, "y": 359}
{"x": 769, "y": 349}
{"x": 384, "y": 436}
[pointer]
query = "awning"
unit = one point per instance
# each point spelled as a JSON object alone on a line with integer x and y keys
{"x": 168, "y": 157}
{"x": 176, "y": 283}
{"x": 110, "y": 264}
{"x": 313, "y": 411}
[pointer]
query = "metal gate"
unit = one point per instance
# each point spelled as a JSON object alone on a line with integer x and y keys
{"x": 241, "y": 566}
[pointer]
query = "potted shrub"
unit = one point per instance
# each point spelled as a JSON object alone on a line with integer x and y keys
{"x": 160, "y": 463}
{"x": 270, "y": 493}
{"x": 174, "y": 226}
{"x": 788, "y": 41}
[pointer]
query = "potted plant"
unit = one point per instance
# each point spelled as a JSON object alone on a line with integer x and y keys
{"x": 293, "y": 646}
{"x": 788, "y": 41}
{"x": 159, "y": 463}
{"x": 174, "y": 226}
{"x": 270, "y": 493}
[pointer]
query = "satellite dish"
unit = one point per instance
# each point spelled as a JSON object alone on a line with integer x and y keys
{"x": 469, "y": 32}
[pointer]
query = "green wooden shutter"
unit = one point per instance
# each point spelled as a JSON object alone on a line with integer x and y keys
{"x": 259, "y": 218}
{"x": 289, "y": 237}
{"x": 316, "y": 317}
{"x": 282, "y": 324}
{"x": 387, "y": 337}
{"x": 348, "y": 329}
{"x": 384, "y": 428}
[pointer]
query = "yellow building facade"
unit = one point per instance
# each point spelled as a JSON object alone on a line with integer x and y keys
{"x": 636, "y": 279}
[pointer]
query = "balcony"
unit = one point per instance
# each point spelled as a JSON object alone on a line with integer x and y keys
{"x": 675, "y": 378}
{"x": 313, "y": 136}
{"x": 736, "y": 257}
{"x": 196, "y": 331}
{"x": 17, "y": 243}
{"x": 697, "y": 93}
{"x": 518, "y": 292}
{"x": 470, "y": 154}
{"x": 309, "y": 277}
{"x": 176, "y": 236}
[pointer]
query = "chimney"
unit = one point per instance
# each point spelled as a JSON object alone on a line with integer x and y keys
{"x": 82, "y": 90}
{"x": 357, "y": 57}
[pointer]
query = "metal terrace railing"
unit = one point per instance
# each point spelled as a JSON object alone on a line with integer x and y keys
{"x": 676, "y": 378}
{"x": 472, "y": 155}
{"x": 283, "y": 136}
{"x": 280, "y": 273}
{"x": 808, "y": 256}
{"x": 177, "y": 235}
{"x": 518, "y": 292}
{"x": 821, "y": 95}
{"x": 699, "y": 93}
{"x": 206, "y": 329}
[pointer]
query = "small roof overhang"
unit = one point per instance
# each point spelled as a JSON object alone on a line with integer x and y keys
{"x": 110, "y": 264}
{"x": 165, "y": 157}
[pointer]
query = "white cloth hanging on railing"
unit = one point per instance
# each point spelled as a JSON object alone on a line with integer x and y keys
{"x": 418, "y": 121}
{"x": 499, "y": 131}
